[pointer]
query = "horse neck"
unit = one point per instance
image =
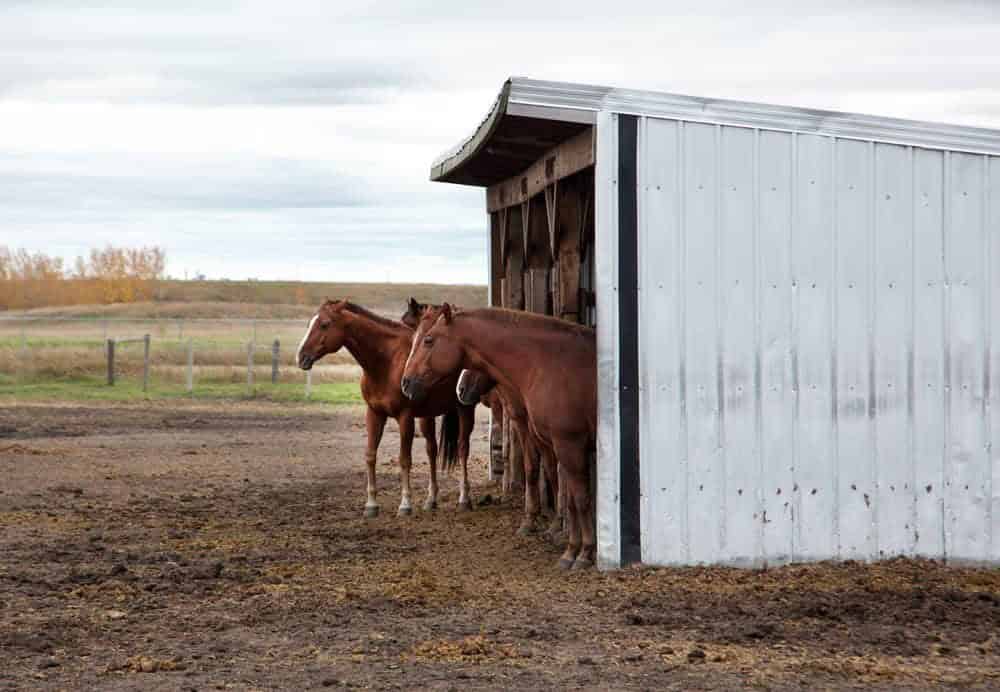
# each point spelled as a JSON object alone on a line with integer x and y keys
{"x": 372, "y": 344}
{"x": 498, "y": 352}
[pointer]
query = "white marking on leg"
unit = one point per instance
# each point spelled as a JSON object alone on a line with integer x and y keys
{"x": 298, "y": 351}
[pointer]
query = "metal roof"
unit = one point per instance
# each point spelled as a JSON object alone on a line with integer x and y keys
{"x": 530, "y": 116}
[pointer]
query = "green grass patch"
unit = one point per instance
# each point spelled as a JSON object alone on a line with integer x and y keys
{"x": 96, "y": 389}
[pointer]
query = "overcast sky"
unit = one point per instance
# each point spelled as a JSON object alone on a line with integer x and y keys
{"x": 293, "y": 140}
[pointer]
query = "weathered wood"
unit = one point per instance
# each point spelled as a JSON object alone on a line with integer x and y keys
{"x": 561, "y": 161}
{"x": 514, "y": 262}
{"x": 145, "y": 362}
{"x": 111, "y": 361}
{"x": 567, "y": 238}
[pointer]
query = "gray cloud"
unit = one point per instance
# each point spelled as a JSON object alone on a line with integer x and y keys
{"x": 294, "y": 140}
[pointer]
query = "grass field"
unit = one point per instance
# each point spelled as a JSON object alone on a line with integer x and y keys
{"x": 60, "y": 352}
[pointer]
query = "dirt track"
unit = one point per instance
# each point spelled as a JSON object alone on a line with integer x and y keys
{"x": 180, "y": 546}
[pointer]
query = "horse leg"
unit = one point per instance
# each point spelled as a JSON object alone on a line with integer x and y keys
{"x": 568, "y": 556}
{"x": 466, "y": 422}
{"x": 405, "y": 462}
{"x": 577, "y": 475}
{"x": 427, "y": 429}
{"x": 532, "y": 503}
{"x": 552, "y": 473}
{"x": 375, "y": 425}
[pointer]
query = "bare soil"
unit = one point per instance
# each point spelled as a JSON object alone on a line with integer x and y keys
{"x": 186, "y": 546}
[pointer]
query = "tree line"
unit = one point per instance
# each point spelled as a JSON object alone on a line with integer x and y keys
{"x": 109, "y": 275}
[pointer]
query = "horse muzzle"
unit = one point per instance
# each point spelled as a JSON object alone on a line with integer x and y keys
{"x": 413, "y": 389}
{"x": 467, "y": 396}
{"x": 306, "y": 361}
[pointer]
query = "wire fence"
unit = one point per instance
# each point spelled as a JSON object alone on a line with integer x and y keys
{"x": 117, "y": 358}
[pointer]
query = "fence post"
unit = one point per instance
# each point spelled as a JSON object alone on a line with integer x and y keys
{"x": 190, "y": 366}
{"x": 249, "y": 367}
{"x": 309, "y": 383}
{"x": 180, "y": 330}
{"x": 145, "y": 362}
{"x": 111, "y": 362}
{"x": 275, "y": 351}
{"x": 22, "y": 356}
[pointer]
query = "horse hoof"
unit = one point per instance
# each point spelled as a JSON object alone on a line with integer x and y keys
{"x": 430, "y": 505}
{"x": 371, "y": 511}
{"x": 565, "y": 563}
{"x": 465, "y": 506}
{"x": 404, "y": 511}
{"x": 582, "y": 563}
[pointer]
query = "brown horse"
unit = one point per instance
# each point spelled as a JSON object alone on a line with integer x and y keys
{"x": 551, "y": 364}
{"x": 380, "y": 346}
{"x": 476, "y": 387}
{"x": 473, "y": 386}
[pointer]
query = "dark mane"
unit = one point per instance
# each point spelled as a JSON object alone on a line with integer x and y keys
{"x": 368, "y": 314}
{"x": 519, "y": 318}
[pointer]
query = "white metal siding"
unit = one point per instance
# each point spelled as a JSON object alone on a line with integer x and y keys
{"x": 816, "y": 372}
{"x": 606, "y": 287}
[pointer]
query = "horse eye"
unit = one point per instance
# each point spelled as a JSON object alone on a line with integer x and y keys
{"x": 428, "y": 340}
{"x": 324, "y": 325}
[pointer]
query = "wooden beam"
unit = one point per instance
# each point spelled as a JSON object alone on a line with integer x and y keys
{"x": 563, "y": 160}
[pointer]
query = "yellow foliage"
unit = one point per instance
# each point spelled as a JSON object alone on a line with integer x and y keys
{"x": 109, "y": 275}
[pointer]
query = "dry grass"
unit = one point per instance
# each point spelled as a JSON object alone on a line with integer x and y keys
{"x": 266, "y": 300}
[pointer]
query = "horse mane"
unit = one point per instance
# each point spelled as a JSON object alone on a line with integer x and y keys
{"x": 356, "y": 309}
{"x": 520, "y": 318}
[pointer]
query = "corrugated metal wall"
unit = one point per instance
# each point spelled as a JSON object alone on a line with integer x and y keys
{"x": 816, "y": 364}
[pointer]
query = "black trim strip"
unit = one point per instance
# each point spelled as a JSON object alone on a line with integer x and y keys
{"x": 628, "y": 337}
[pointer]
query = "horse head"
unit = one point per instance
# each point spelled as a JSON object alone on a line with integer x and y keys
{"x": 325, "y": 334}
{"x": 434, "y": 354}
{"x": 472, "y": 386}
{"x": 414, "y": 311}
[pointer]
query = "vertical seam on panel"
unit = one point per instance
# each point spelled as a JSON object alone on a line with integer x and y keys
{"x": 872, "y": 378}
{"x": 946, "y": 339}
{"x": 720, "y": 387}
{"x": 757, "y": 379}
{"x": 835, "y": 343}
{"x": 682, "y": 333}
{"x": 628, "y": 413}
{"x": 793, "y": 233}
{"x": 645, "y": 404}
{"x": 911, "y": 393}
{"x": 987, "y": 336}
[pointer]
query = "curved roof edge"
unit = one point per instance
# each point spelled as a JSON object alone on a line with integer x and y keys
{"x": 579, "y": 102}
{"x": 474, "y": 143}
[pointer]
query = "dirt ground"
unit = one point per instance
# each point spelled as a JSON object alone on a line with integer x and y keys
{"x": 194, "y": 546}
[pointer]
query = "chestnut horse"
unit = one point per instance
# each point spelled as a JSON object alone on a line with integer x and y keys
{"x": 475, "y": 387}
{"x": 551, "y": 365}
{"x": 380, "y": 346}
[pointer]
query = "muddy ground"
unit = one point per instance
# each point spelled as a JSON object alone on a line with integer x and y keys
{"x": 188, "y": 546}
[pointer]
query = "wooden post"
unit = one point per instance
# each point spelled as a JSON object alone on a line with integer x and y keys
{"x": 275, "y": 352}
{"x": 22, "y": 357}
{"x": 249, "y": 367}
{"x": 190, "y": 366}
{"x": 145, "y": 362}
{"x": 111, "y": 361}
{"x": 309, "y": 383}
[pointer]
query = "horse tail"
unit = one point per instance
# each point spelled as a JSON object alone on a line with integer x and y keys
{"x": 448, "y": 440}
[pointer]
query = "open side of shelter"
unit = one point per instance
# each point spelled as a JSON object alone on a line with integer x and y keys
{"x": 795, "y": 316}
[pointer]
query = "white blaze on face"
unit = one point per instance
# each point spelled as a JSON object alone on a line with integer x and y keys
{"x": 418, "y": 336}
{"x": 461, "y": 383}
{"x": 298, "y": 351}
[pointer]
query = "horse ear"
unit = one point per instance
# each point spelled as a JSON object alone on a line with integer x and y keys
{"x": 413, "y": 306}
{"x": 446, "y": 311}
